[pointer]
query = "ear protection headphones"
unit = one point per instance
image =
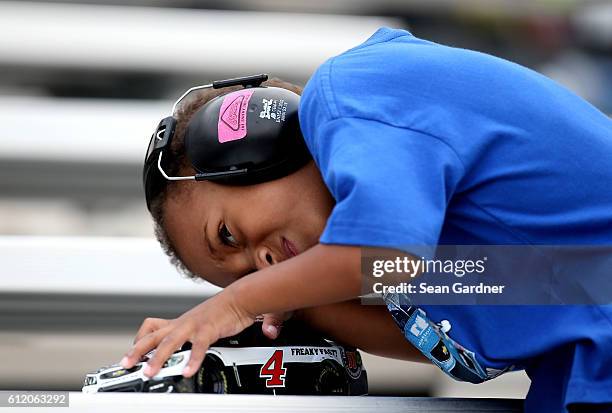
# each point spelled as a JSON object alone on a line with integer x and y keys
{"x": 245, "y": 137}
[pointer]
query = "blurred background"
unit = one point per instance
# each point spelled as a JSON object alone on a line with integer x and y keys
{"x": 84, "y": 83}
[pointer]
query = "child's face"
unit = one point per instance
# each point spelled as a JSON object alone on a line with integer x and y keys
{"x": 222, "y": 233}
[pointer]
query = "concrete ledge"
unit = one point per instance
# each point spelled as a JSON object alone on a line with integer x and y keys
{"x": 261, "y": 403}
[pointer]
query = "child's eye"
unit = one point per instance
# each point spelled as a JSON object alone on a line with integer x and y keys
{"x": 226, "y": 237}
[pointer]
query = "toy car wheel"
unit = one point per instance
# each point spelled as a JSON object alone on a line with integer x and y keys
{"x": 211, "y": 377}
{"x": 331, "y": 379}
{"x": 184, "y": 385}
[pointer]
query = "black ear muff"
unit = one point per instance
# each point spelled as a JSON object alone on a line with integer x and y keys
{"x": 152, "y": 179}
{"x": 247, "y": 136}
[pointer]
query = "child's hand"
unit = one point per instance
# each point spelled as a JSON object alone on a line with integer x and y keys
{"x": 217, "y": 317}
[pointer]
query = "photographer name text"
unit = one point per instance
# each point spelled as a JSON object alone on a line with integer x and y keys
{"x": 424, "y": 288}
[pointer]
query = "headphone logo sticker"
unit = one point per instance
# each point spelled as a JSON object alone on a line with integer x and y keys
{"x": 267, "y": 105}
{"x": 232, "y": 123}
{"x": 273, "y": 109}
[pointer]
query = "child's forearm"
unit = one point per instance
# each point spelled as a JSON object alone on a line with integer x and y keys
{"x": 368, "y": 327}
{"x": 323, "y": 274}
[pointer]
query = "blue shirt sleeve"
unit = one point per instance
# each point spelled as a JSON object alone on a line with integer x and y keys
{"x": 391, "y": 184}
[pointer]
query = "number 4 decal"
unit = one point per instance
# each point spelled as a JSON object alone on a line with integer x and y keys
{"x": 273, "y": 370}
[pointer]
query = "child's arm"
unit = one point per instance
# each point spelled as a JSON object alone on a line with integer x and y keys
{"x": 321, "y": 275}
{"x": 367, "y": 327}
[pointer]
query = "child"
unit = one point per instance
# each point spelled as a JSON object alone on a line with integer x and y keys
{"x": 413, "y": 143}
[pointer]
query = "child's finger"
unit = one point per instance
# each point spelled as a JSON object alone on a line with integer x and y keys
{"x": 272, "y": 324}
{"x": 142, "y": 347}
{"x": 165, "y": 348}
{"x": 150, "y": 325}
{"x": 198, "y": 352}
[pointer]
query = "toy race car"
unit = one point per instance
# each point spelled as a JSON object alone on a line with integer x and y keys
{"x": 298, "y": 362}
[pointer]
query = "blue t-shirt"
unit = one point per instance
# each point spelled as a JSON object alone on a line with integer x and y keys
{"x": 424, "y": 144}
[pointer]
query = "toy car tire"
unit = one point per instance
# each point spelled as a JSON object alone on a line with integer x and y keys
{"x": 330, "y": 379}
{"x": 211, "y": 377}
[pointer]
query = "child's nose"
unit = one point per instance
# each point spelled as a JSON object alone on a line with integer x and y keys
{"x": 265, "y": 257}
